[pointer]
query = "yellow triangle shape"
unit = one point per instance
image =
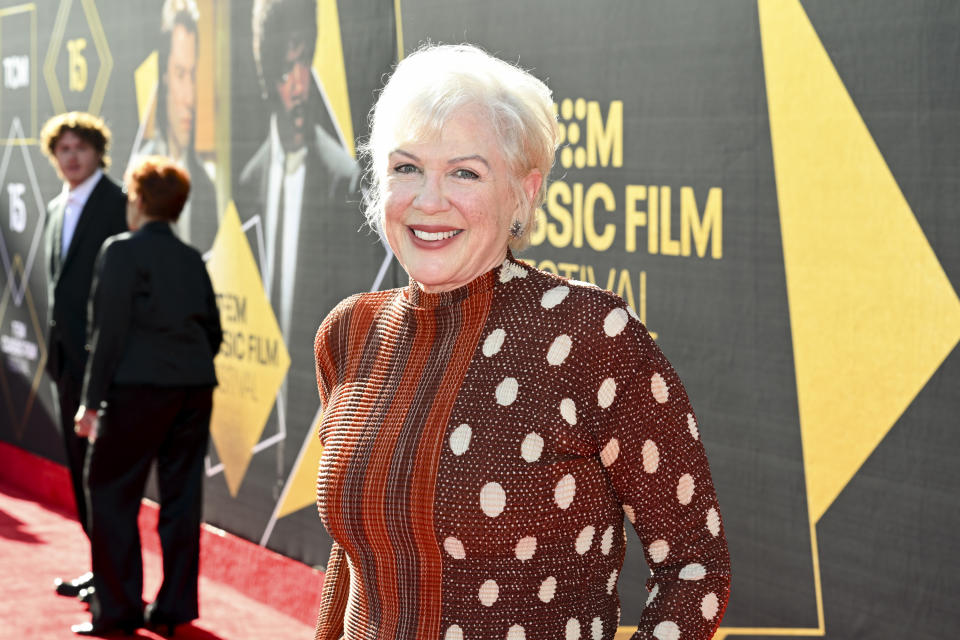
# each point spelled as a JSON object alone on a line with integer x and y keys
{"x": 872, "y": 312}
{"x": 253, "y": 358}
{"x": 330, "y": 68}
{"x": 145, "y": 79}
{"x": 301, "y": 488}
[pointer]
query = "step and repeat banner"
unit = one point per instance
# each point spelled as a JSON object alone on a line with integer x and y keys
{"x": 772, "y": 185}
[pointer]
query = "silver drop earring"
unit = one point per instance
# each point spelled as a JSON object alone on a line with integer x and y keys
{"x": 516, "y": 229}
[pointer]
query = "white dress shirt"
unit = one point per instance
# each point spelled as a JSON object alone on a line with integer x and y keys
{"x": 282, "y": 251}
{"x": 76, "y": 201}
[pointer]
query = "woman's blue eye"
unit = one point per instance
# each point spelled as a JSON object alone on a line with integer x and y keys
{"x": 466, "y": 174}
{"x": 405, "y": 168}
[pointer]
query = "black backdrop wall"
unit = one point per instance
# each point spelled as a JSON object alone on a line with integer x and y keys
{"x": 772, "y": 186}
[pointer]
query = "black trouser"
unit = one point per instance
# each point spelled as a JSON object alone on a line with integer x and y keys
{"x": 140, "y": 424}
{"x": 67, "y": 390}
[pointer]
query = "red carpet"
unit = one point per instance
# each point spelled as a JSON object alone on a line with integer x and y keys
{"x": 246, "y": 592}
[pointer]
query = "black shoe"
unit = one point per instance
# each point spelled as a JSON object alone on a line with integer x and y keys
{"x": 157, "y": 621}
{"x": 104, "y": 630}
{"x": 72, "y": 588}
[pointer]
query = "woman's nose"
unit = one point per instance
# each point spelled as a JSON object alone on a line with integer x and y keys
{"x": 430, "y": 197}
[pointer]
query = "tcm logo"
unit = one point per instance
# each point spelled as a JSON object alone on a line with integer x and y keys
{"x": 590, "y": 138}
{"x": 16, "y": 72}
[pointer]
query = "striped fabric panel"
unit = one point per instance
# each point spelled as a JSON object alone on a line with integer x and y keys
{"x": 383, "y": 436}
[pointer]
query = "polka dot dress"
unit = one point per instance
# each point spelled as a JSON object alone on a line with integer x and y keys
{"x": 482, "y": 448}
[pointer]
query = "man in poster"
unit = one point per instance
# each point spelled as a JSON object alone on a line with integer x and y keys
{"x": 90, "y": 208}
{"x": 176, "y": 119}
{"x": 304, "y": 186}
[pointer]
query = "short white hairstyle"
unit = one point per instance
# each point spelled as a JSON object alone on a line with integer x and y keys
{"x": 430, "y": 85}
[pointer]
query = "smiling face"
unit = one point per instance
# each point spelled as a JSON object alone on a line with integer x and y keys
{"x": 76, "y": 158}
{"x": 450, "y": 202}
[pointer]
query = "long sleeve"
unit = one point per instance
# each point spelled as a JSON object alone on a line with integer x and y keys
{"x": 110, "y": 312}
{"x": 652, "y": 452}
{"x": 211, "y": 323}
{"x": 333, "y": 596}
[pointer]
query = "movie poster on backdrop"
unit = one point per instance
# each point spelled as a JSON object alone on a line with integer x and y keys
{"x": 302, "y": 78}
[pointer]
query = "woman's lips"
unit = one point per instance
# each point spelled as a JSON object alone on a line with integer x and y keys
{"x": 433, "y": 237}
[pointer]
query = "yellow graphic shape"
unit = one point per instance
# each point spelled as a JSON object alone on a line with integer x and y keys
{"x": 253, "y": 358}
{"x": 100, "y": 44}
{"x": 873, "y": 314}
{"x": 145, "y": 82}
{"x": 20, "y": 422}
{"x": 329, "y": 66}
{"x": 301, "y": 487}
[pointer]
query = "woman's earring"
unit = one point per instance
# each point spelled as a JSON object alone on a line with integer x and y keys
{"x": 516, "y": 229}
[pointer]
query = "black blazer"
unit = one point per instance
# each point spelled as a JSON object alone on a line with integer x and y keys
{"x": 68, "y": 278}
{"x": 153, "y": 315}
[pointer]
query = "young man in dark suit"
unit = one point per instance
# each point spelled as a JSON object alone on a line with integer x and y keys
{"x": 90, "y": 208}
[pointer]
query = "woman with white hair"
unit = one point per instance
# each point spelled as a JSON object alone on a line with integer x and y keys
{"x": 487, "y": 427}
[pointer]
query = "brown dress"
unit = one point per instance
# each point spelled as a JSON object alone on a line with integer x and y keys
{"x": 481, "y": 447}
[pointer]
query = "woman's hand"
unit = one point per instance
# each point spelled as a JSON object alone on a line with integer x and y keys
{"x": 86, "y": 423}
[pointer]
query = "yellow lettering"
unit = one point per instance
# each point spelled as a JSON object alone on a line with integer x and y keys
{"x": 77, "y": 64}
{"x": 560, "y": 234}
{"x": 605, "y": 140}
{"x": 633, "y": 217}
{"x": 668, "y": 246}
{"x": 599, "y": 241}
{"x": 706, "y": 229}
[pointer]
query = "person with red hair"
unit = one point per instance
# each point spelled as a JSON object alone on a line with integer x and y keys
{"x": 154, "y": 330}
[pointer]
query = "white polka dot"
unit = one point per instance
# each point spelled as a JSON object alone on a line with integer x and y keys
{"x": 573, "y": 629}
{"x": 596, "y": 629}
{"x": 526, "y": 547}
{"x": 659, "y": 388}
{"x": 685, "y": 488}
{"x": 564, "y": 491}
{"x": 693, "y": 571}
{"x": 713, "y": 522}
{"x": 614, "y": 323}
{"x": 559, "y": 350}
{"x": 692, "y": 425}
{"x": 631, "y": 516}
{"x": 455, "y": 548}
{"x": 606, "y": 393}
{"x": 710, "y": 606}
{"x": 611, "y": 582}
{"x": 460, "y": 439}
{"x": 531, "y": 447}
{"x": 507, "y": 391}
{"x": 651, "y": 456}
{"x": 554, "y": 297}
{"x": 547, "y": 589}
{"x": 610, "y": 452}
{"x": 659, "y": 550}
{"x": 606, "y": 541}
{"x": 510, "y": 270}
{"x": 516, "y": 632}
{"x": 493, "y": 342}
{"x": 489, "y": 592}
{"x": 568, "y": 410}
{"x": 493, "y": 499}
{"x": 667, "y": 630}
{"x": 454, "y": 632}
{"x": 585, "y": 539}
{"x": 653, "y": 594}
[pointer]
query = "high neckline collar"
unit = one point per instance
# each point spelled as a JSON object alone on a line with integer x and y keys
{"x": 419, "y": 298}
